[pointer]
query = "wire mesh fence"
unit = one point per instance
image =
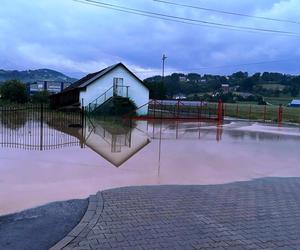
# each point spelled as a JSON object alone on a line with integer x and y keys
{"x": 183, "y": 110}
{"x": 217, "y": 111}
{"x": 264, "y": 113}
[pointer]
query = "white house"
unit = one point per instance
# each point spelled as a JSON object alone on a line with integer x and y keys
{"x": 96, "y": 88}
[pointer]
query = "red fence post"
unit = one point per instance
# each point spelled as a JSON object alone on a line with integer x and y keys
{"x": 154, "y": 110}
{"x": 250, "y": 111}
{"x": 280, "y": 113}
{"x": 219, "y": 132}
{"x": 178, "y": 103}
{"x": 265, "y": 111}
{"x": 220, "y": 111}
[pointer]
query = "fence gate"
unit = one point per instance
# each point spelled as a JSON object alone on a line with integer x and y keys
{"x": 35, "y": 127}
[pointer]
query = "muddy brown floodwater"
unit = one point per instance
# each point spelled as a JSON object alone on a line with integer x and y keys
{"x": 189, "y": 153}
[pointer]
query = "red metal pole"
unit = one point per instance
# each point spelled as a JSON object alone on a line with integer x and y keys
{"x": 154, "y": 108}
{"x": 219, "y": 132}
{"x": 178, "y": 103}
{"x": 250, "y": 111}
{"x": 220, "y": 111}
{"x": 201, "y": 107}
{"x": 280, "y": 113}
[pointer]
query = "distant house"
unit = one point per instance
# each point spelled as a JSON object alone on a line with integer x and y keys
{"x": 51, "y": 86}
{"x": 225, "y": 88}
{"x": 244, "y": 94}
{"x": 295, "y": 103}
{"x": 179, "y": 96}
{"x": 183, "y": 79}
{"x": 96, "y": 88}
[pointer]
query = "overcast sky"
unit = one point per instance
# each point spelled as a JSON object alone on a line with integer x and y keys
{"x": 76, "y": 38}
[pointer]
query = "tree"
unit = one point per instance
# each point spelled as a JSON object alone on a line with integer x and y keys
{"x": 248, "y": 84}
{"x": 41, "y": 97}
{"x": 256, "y": 77}
{"x": 14, "y": 91}
{"x": 240, "y": 75}
{"x": 295, "y": 86}
{"x": 157, "y": 90}
{"x": 272, "y": 77}
{"x": 193, "y": 77}
{"x": 294, "y": 90}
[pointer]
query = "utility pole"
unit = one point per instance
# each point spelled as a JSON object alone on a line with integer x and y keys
{"x": 163, "y": 66}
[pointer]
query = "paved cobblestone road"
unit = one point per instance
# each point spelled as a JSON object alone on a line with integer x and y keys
{"x": 260, "y": 214}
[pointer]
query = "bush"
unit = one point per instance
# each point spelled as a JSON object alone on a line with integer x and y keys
{"x": 14, "y": 91}
{"x": 40, "y": 97}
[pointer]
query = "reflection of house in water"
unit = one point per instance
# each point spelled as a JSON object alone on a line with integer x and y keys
{"x": 36, "y": 128}
{"x": 113, "y": 142}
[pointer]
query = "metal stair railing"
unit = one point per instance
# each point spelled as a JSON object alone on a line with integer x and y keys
{"x": 106, "y": 96}
{"x": 101, "y": 99}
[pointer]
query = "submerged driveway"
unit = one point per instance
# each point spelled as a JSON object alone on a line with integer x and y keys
{"x": 259, "y": 214}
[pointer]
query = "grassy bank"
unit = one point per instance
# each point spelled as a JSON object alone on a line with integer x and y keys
{"x": 284, "y": 100}
{"x": 262, "y": 112}
{"x": 248, "y": 111}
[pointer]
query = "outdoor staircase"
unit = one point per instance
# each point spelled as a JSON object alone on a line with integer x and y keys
{"x": 99, "y": 101}
{"x": 116, "y": 105}
{"x": 110, "y": 104}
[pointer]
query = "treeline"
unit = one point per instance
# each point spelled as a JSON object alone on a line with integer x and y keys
{"x": 262, "y": 84}
{"x": 14, "y": 91}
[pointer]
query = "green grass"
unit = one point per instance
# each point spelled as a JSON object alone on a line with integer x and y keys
{"x": 253, "y": 112}
{"x": 284, "y": 100}
{"x": 261, "y": 112}
{"x": 273, "y": 86}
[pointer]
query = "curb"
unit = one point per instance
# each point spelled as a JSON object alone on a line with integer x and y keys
{"x": 86, "y": 224}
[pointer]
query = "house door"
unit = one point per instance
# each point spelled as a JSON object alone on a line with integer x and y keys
{"x": 118, "y": 86}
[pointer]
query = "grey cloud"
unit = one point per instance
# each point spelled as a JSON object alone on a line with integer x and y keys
{"x": 76, "y": 38}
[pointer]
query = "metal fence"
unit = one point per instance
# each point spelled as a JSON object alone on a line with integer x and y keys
{"x": 183, "y": 110}
{"x": 263, "y": 113}
{"x": 216, "y": 111}
{"x": 36, "y": 127}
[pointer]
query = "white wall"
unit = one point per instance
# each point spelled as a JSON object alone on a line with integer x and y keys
{"x": 137, "y": 92}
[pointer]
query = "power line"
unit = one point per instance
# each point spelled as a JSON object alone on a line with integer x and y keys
{"x": 249, "y": 64}
{"x": 131, "y": 12}
{"x": 222, "y": 66}
{"x": 227, "y": 12}
{"x": 184, "y": 20}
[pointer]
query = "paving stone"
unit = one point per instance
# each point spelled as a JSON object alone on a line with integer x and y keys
{"x": 260, "y": 214}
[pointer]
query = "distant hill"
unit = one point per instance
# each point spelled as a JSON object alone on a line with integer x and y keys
{"x": 29, "y": 76}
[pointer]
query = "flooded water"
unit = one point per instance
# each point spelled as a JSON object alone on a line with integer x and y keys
{"x": 105, "y": 155}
